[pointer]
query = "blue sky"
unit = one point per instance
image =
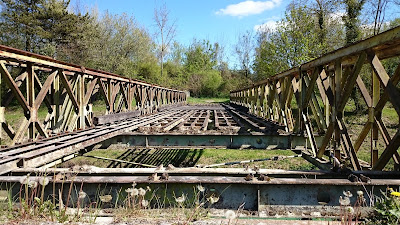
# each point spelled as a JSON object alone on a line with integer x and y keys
{"x": 217, "y": 20}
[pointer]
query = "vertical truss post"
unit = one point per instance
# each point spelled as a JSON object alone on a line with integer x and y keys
{"x": 30, "y": 95}
{"x": 81, "y": 101}
{"x": 335, "y": 113}
{"x": 374, "y": 130}
{"x": 262, "y": 100}
{"x": 110, "y": 91}
{"x": 2, "y": 119}
{"x": 56, "y": 99}
{"x": 300, "y": 102}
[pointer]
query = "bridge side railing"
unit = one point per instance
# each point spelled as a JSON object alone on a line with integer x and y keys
{"x": 67, "y": 92}
{"x": 310, "y": 100}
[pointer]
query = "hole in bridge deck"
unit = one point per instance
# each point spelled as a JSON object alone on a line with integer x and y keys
{"x": 138, "y": 157}
{"x": 127, "y": 157}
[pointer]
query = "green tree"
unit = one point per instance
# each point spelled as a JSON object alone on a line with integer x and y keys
{"x": 201, "y": 56}
{"x": 45, "y": 27}
{"x": 166, "y": 32}
{"x": 351, "y": 20}
{"x": 353, "y": 34}
{"x": 20, "y": 24}
{"x": 293, "y": 42}
{"x": 66, "y": 35}
{"x": 201, "y": 66}
{"x": 244, "y": 52}
{"x": 174, "y": 68}
{"x": 266, "y": 62}
{"x": 123, "y": 47}
{"x": 329, "y": 29}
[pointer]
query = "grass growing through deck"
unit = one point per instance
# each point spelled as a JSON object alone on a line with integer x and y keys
{"x": 192, "y": 157}
{"x": 192, "y": 100}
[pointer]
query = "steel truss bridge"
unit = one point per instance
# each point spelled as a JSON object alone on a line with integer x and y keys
{"x": 301, "y": 110}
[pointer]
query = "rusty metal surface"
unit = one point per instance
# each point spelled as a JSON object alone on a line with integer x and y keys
{"x": 68, "y": 92}
{"x": 86, "y": 170}
{"x": 189, "y": 179}
{"x": 181, "y": 126}
{"x": 321, "y": 89}
{"x": 302, "y": 195}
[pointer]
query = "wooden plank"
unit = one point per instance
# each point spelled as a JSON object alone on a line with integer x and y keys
{"x": 196, "y": 120}
{"x": 175, "y": 122}
{"x": 216, "y": 119}
{"x": 119, "y": 160}
{"x": 205, "y": 123}
{"x": 111, "y": 118}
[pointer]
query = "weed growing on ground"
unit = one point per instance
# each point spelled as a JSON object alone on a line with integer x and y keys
{"x": 350, "y": 214}
{"x": 34, "y": 204}
{"x": 387, "y": 208}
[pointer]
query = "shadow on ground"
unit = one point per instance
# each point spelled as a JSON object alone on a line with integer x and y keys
{"x": 156, "y": 157}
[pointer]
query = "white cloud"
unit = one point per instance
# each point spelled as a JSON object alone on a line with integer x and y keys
{"x": 271, "y": 25}
{"x": 249, "y": 7}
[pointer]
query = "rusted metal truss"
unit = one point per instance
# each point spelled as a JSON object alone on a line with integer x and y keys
{"x": 67, "y": 91}
{"x": 321, "y": 89}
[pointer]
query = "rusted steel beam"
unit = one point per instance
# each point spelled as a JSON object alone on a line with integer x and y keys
{"x": 297, "y": 195}
{"x": 68, "y": 104}
{"x": 335, "y": 76}
{"x": 17, "y": 55}
{"x": 41, "y": 154}
{"x": 14, "y": 87}
{"x": 111, "y": 118}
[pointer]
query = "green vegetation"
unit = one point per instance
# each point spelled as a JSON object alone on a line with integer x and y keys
{"x": 192, "y": 157}
{"x": 215, "y": 156}
{"x": 387, "y": 209}
{"x": 192, "y": 100}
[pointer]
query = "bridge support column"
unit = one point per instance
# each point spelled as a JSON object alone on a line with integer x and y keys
{"x": 374, "y": 130}
{"x": 2, "y": 120}
{"x": 56, "y": 100}
{"x": 110, "y": 96}
{"x": 81, "y": 102}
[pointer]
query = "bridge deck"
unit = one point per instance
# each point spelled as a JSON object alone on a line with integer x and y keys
{"x": 199, "y": 125}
